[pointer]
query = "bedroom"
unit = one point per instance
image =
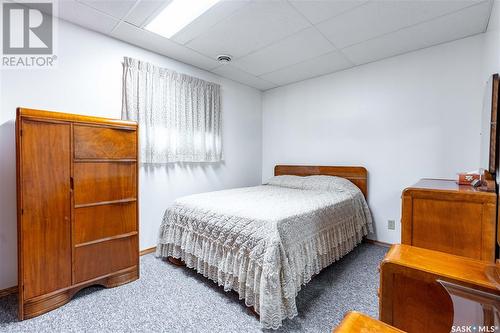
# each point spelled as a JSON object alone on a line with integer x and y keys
{"x": 402, "y": 89}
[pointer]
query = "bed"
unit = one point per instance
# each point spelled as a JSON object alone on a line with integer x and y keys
{"x": 266, "y": 242}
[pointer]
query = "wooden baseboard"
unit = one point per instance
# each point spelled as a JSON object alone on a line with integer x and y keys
{"x": 147, "y": 251}
{"x": 8, "y": 291}
{"x": 13, "y": 290}
{"x": 376, "y": 242}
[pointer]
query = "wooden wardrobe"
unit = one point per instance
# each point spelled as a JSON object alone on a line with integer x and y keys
{"x": 77, "y": 206}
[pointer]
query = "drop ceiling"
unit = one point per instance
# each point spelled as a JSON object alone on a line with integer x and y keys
{"x": 276, "y": 42}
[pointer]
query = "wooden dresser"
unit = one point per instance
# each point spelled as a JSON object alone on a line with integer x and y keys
{"x": 77, "y": 206}
{"x": 411, "y": 297}
{"x": 444, "y": 216}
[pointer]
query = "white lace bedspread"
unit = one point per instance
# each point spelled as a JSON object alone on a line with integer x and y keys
{"x": 266, "y": 241}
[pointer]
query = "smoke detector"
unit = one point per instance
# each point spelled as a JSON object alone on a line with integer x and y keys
{"x": 224, "y": 58}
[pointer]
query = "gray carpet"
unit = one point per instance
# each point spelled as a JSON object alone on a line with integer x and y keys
{"x": 176, "y": 299}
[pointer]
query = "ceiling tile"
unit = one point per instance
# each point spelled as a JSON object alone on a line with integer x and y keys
{"x": 256, "y": 25}
{"x": 85, "y": 16}
{"x": 423, "y": 10}
{"x": 273, "y": 42}
{"x": 238, "y": 75}
{"x": 466, "y": 22}
{"x": 365, "y": 22}
{"x": 317, "y": 11}
{"x": 380, "y": 17}
{"x": 145, "y": 10}
{"x": 115, "y": 8}
{"x": 325, "y": 64}
{"x": 150, "y": 41}
{"x": 304, "y": 45}
{"x": 211, "y": 17}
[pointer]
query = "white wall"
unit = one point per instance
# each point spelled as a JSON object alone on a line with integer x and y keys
{"x": 411, "y": 116}
{"x": 88, "y": 81}
{"x": 491, "y": 54}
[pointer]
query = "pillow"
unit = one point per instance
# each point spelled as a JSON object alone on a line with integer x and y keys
{"x": 318, "y": 183}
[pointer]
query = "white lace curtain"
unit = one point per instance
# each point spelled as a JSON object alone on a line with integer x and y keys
{"x": 179, "y": 115}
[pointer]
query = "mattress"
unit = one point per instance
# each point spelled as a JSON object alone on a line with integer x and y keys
{"x": 265, "y": 242}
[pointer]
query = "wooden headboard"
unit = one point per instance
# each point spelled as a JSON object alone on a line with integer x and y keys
{"x": 357, "y": 175}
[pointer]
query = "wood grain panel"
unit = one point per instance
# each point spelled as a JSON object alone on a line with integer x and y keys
{"x": 46, "y": 227}
{"x": 105, "y": 257}
{"x": 441, "y": 215}
{"x": 104, "y": 142}
{"x": 411, "y": 297}
{"x": 102, "y": 182}
{"x": 432, "y": 228}
{"x": 41, "y": 304}
{"x": 488, "y": 228}
{"x": 357, "y": 175}
{"x": 97, "y": 222}
{"x": 431, "y": 296}
{"x": 406, "y": 218}
{"x": 73, "y": 118}
{"x": 355, "y": 322}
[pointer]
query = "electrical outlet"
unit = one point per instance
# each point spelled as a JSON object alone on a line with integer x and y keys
{"x": 391, "y": 224}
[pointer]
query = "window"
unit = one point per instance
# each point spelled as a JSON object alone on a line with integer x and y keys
{"x": 179, "y": 115}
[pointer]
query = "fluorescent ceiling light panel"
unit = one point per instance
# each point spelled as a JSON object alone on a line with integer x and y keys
{"x": 177, "y": 15}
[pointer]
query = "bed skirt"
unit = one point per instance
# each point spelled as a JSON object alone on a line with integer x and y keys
{"x": 268, "y": 280}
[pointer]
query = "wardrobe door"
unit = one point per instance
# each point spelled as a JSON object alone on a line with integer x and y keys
{"x": 45, "y": 236}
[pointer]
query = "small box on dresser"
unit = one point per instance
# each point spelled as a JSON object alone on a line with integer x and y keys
{"x": 440, "y": 215}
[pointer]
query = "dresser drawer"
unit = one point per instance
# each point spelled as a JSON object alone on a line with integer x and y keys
{"x": 102, "y": 182}
{"x": 441, "y": 215}
{"x": 98, "y": 222}
{"x": 92, "y": 142}
{"x": 448, "y": 226}
{"x": 106, "y": 257}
